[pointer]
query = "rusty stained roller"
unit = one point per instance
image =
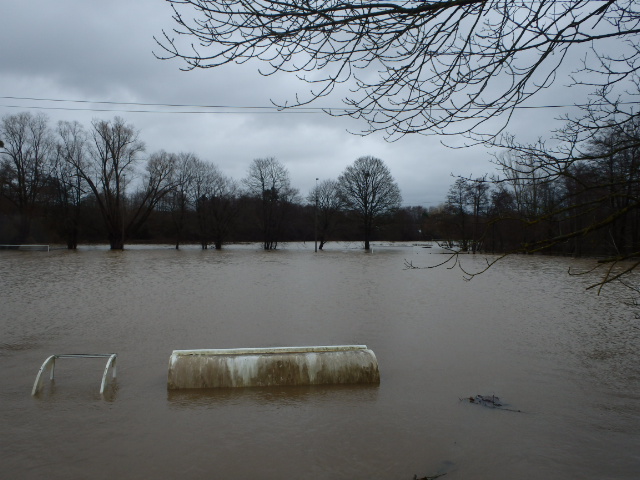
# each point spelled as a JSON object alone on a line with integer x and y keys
{"x": 263, "y": 367}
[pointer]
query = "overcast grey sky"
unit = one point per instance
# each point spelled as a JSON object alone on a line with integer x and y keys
{"x": 92, "y": 51}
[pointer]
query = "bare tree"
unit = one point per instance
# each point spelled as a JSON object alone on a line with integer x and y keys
{"x": 326, "y": 199}
{"x": 178, "y": 199}
{"x": 268, "y": 181}
{"x": 216, "y": 201}
{"x": 458, "y": 204}
{"x": 70, "y": 186}
{"x": 157, "y": 180}
{"x": 223, "y": 207}
{"x": 202, "y": 187}
{"x": 115, "y": 149}
{"x": 110, "y": 167}
{"x": 368, "y": 188}
{"x": 478, "y": 195}
{"x": 27, "y": 161}
{"x": 443, "y": 67}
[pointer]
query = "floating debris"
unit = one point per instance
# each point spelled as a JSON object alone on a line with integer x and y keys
{"x": 490, "y": 401}
{"x": 486, "y": 400}
{"x": 441, "y": 471}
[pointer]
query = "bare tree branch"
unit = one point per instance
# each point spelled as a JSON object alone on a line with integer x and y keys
{"x": 413, "y": 67}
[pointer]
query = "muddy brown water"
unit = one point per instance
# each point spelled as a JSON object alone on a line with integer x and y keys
{"x": 568, "y": 359}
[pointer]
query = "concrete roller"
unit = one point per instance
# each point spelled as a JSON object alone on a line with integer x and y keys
{"x": 263, "y": 367}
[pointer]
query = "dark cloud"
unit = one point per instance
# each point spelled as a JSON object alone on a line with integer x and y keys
{"x": 103, "y": 51}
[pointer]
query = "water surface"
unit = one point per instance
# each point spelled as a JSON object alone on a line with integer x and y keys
{"x": 524, "y": 331}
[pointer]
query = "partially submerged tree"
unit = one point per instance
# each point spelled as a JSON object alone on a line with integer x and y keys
{"x": 368, "y": 189}
{"x": 71, "y": 189}
{"x": 201, "y": 189}
{"x": 458, "y": 205}
{"x": 156, "y": 181}
{"x": 478, "y": 197}
{"x": 218, "y": 207}
{"x": 268, "y": 181}
{"x": 27, "y": 162}
{"x": 110, "y": 167}
{"x": 177, "y": 201}
{"x": 223, "y": 207}
{"x": 327, "y": 203}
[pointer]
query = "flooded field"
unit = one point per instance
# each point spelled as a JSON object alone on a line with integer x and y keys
{"x": 564, "y": 361}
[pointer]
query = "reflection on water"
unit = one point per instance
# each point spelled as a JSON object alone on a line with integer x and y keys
{"x": 256, "y": 396}
{"x": 524, "y": 331}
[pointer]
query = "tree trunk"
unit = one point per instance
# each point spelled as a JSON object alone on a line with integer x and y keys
{"x": 116, "y": 242}
{"x": 24, "y": 227}
{"x": 72, "y": 237}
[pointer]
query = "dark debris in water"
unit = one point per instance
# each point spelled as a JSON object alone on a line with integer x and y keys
{"x": 486, "y": 400}
{"x": 441, "y": 471}
{"x": 490, "y": 401}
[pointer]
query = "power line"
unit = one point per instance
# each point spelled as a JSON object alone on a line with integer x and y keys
{"x": 120, "y": 110}
{"x": 172, "y": 105}
{"x": 237, "y": 109}
{"x": 206, "y": 108}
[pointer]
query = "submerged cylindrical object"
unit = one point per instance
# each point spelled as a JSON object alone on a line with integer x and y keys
{"x": 263, "y": 367}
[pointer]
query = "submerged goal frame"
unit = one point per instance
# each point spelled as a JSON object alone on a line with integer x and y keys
{"x": 51, "y": 363}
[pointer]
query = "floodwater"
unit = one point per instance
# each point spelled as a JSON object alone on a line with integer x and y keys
{"x": 565, "y": 360}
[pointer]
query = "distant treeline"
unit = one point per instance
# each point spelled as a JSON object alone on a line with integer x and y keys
{"x": 70, "y": 185}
